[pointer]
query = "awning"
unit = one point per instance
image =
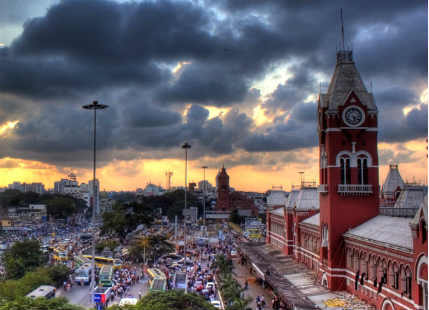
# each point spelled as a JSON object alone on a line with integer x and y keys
{"x": 262, "y": 275}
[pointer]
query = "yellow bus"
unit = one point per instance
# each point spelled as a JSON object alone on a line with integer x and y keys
{"x": 157, "y": 280}
{"x": 100, "y": 261}
{"x": 60, "y": 255}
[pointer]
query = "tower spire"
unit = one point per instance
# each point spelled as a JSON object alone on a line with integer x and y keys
{"x": 342, "y": 30}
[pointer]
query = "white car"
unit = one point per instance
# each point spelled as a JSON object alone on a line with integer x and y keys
{"x": 233, "y": 253}
{"x": 210, "y": 285}
{"x": 128, "y": 301}
{"x": 216, "y": 304}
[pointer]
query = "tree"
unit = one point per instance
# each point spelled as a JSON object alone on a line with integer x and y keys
{"x": 57, "y": 273}
{"x": 61, "y": 207}
{"x": 173, "y": 300}
{"x": 235, "y": 217}
{"x": 153, "y": 246}
{"x": 224, "y": 265}
{"x": 12, "y": 289}
{"x": 38, "y": 304}
{"x": 124, "y": 218}
{"x": 22, "y": 257}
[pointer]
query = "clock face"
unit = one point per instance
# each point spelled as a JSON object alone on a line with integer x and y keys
{"x": 353, "y": 116}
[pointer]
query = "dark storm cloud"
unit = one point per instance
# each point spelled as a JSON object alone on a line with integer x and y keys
{"x": 292, "y": 92}
{"x": 149, "y": 115}
{"x": 203, "y": 83}
{"x": 81, "y": 49}
{"x": 393, "y": 97}
{"x": 396, "y": 127}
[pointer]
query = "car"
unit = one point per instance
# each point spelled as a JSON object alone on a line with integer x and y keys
{"x": 234, "y": 253}
{"x": 209, "y": 285}
{"x": 216, "y": 304}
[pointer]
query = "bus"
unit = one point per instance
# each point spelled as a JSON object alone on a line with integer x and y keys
{"x": 100, "y": 261}
{"x": 157, "y": 280}
{"x": 106, "y": 276}
{"x": 43, "y": 291}
{"x": 60, "y": 255}
{"x": 83, "y": 274}
{"x": 79, "y": 261}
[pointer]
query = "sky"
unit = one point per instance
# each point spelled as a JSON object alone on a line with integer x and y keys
{"x": 237, "y": 79}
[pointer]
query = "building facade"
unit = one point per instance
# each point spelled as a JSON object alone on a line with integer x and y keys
{"x": 346, "y": 239}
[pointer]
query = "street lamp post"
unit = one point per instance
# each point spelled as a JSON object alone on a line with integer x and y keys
{"x": 204, "y": 194}
{"x": 94, "y": 106}
{"x": 185, "y": 146}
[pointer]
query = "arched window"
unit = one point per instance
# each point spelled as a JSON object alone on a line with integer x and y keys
{"x": 362, "y": 163}
{"x": 408, "y": 280}
{"x": 345, "y": 170}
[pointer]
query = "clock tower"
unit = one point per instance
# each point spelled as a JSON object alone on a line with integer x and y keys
{"x": 349, "y": 189}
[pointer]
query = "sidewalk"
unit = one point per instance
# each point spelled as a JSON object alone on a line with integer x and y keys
{"x": 254, "y": 288}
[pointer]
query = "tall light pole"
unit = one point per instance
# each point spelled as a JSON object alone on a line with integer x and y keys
{"x": 94, "y": 106}
{"x": 186, "y": 146}
{"x": 301, "y": 174}
{"x": 204, "y": 194}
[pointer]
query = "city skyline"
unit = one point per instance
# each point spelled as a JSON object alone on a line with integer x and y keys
{"x": 201, "y": 76}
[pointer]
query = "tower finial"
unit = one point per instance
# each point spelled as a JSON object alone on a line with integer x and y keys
{"x": 342, "y": 30}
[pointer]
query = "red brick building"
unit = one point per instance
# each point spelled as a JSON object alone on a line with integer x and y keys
{"x": 352, "y": 244}
{"x": 227, "y": 200}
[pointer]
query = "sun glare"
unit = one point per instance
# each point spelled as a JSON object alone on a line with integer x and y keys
{"x": 8, "y": 126}
{"x": 180, "y": 66}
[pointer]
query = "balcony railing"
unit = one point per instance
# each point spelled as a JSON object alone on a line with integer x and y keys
{"x": 399, "y": 212}
{"x": 323, "y": 188}
{"x": 354, "y": 189}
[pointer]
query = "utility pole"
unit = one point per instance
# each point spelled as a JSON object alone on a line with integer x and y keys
{"x": 185, "y": 146}
{"x": 94, "y": 106}
{"x": 204, "y": 194}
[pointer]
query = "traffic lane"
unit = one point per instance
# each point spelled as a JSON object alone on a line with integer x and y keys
{"x": 77, "y": 295}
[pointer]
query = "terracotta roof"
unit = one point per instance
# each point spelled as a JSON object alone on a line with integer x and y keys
{"x": 393, "y": 231}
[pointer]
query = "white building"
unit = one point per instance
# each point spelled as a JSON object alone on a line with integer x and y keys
{"x": 276, "y": 197}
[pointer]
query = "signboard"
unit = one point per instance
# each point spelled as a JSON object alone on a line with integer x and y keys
{"x": 217, "y": 215}
{"x": 99, "y": 298}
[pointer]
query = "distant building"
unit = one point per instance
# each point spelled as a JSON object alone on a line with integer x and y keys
{"x": 222, "y": 190}
{"x": 149, "y": 191}
{"x": 106, "y": 204}
{"x": 392, "y": 187}
{"x": 208, "y": 186}
{"x": 276, "y": 197}
{"x": 38, "y": 188}
{"x": 228, "y": 200}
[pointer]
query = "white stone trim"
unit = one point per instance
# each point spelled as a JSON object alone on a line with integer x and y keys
{"x": 422, "y": 260}
{"x": 324, "y": 278}
{"x": 353, "y": 158}
{"x": 386, "y": 245}
{"x": 387, "y": 302}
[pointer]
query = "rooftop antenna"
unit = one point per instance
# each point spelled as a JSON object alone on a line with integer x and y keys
{"x": 342, "y": 29}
